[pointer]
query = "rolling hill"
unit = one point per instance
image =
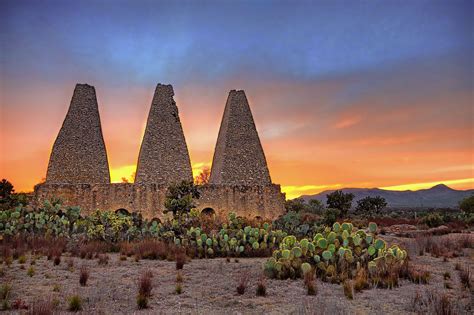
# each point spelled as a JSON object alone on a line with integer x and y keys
{"x": 439, "y": 196}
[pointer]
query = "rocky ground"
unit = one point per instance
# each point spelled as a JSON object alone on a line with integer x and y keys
{"x": 209, "y": 287}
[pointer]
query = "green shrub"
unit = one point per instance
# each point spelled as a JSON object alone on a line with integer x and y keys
{"x": 433, "y": 220}
{"x": 142, "y": 301}
{"x": 75, "y": 303}
{"x": 331, "y": 215}
{"x": 31, "y": 271}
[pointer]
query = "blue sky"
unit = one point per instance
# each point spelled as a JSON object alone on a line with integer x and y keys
{"x": 324, "y": 76}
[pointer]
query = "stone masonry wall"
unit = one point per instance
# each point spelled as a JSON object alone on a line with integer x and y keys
{"x": 79, "y": 154}
{"x": 263, "y": 201}
{"x": 238, "y": 157}
{"x": 78, "y": 171}
{"x": 164, "y": 157}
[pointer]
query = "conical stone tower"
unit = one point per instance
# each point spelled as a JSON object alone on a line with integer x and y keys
{"x": 164, "y": 157}
{"x": 79, "y": 154}
{"x": 238, "y": 157}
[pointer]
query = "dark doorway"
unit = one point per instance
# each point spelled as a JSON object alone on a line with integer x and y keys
{"x": 122, "y": 211}
{"x": 208, "y": 212}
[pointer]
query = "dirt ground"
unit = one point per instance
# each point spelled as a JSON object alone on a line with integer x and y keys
{"x": 209, "y": 287}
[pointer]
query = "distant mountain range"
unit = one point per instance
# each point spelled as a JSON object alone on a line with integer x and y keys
{"x": 439, "y": 196}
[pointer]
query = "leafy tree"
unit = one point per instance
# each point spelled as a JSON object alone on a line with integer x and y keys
{"x": 6, "y": 195}
{"x": 340, "y": 200}
{"x": 467, "y": 204}
{"x": 180, "y": 198}
{"x": 295, "y": 205}
{"x": 316, "y": 206}
{"x": 371, "y": 205}
{"x": 331, "y": 215}
{"x": 6, "y": 189}
{"x": 203, "y": 177}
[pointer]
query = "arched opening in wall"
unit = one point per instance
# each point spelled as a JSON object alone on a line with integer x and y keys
{"x": 258, "y": 218}
{"x": 122, "y": 211}
{"x": 208, "y": 212}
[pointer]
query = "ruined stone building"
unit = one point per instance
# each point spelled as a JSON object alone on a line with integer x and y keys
{"x": 240, "y": 182}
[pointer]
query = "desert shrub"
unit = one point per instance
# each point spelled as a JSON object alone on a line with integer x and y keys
{"x": 19, "y": 304}
{"x": 432, "y": 220}
{"x": 180, "y": 259}
{"x": 142, "y": 301}
{"x": 83, "y": 275}
{"x": 179, "y": 277}
{"x": 5, "y": 291}
{"x": 178, "y": 288}
{"x": 310, "y": 283}
{"x": 151, "y": 249}
{"x": 418, "y": 275}
{"x": 432, "y": 302}
{"x": 466, "y": 277}
{"x": 56, "y": 288}
{"x": 361, "y": 281}
{"x": 103, "y": 259}
{"x": 145, "y": 284}
{"x": 41, "y": 307}
{"x": 446, "y": 275}
{"x": 57, "y": 260}
{"x": 243, "y": 283}
{"x": 31, "y": 271}
{"x": 22, "y": 259}
{"x": 467, "y": 204}
{"x": 70, "y": 263}
{"x": 261, "y": 287}
{"x": 330, "y": 216}
{"x": 348, "y": 289}
{"x": 75, "y": 303}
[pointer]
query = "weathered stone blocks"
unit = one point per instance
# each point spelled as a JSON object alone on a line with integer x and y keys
{"x": 238, "y": 157}
{"x": 79, "y": 154}
{"x": 240, "y": 181}
{"x": 164, "y": 157}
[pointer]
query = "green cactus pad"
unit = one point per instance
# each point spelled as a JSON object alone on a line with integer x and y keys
{"x": 327, "y": 255}
{"x": 372, "y": 227}
{"x": 285, "y": 254}
{"x": 304, "y": 243}
{"x": 296, "y": 251}
{"x": 336, "y": 227}
{"x": 379, "y": 244}
{"x": 322, "y": 243}
{"x": 356, "y": 240}
{"x": 305, "y": 268}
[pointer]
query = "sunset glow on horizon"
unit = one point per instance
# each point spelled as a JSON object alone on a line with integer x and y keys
{"x": 393, "y": 110}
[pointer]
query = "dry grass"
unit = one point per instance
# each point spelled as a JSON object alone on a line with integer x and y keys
{"x": 83, "y": 275}
{"x": 145, "y": 284}
{"x": 310, "y": 283}
{"x": 432, "y": 302}
{"x": 243, "y": 283}
{"x": 41, "y": 307}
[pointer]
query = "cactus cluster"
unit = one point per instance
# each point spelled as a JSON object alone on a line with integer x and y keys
{"x": 336, "y": 253}
{"x": 51, "y": 220}
{"x": 233, "y": 239}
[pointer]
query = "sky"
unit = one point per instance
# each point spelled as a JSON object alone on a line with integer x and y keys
{"x": 343, "y": 93}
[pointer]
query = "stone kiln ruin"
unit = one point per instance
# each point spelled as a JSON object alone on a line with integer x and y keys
{"x": 78, "y": 170}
